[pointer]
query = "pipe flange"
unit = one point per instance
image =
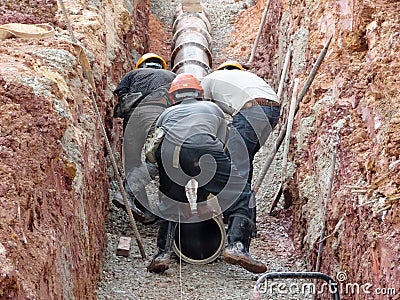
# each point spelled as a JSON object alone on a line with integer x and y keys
{"x": 195, "y": 29}
{"x": 196, "y": 44}
{"x": 201, "y": 16}
{"x": 191, "y": 61}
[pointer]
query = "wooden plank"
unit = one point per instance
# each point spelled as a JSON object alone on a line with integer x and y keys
{"x": 124, "y": 245}
{"x": 192, "y": 8}
{"x": 184, "y": 2}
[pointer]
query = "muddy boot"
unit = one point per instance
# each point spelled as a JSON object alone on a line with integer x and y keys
{"x": 237, "y": 251}
{"x": 118, "y": 201}
{"x": 139, "y": 211}
{"x": 165, "y": 238}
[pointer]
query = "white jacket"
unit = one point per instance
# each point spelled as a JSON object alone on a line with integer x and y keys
{"x": 231, "y": 89}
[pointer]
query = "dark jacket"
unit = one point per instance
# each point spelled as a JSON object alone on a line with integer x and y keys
{"x": 136, "y": 85}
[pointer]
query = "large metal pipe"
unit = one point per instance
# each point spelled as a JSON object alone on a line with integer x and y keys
{"x": 201, "y": 242}
{"x": 191, "y": 44}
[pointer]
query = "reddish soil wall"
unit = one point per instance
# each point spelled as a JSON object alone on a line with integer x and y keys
{"x": 53, "y": 171}
{"x": 354, "y": 102}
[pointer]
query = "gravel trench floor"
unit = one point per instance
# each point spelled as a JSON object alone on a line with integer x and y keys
{"x": 127, "y": 277}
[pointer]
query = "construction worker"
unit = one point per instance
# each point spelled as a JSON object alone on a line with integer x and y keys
{"x": 193, "y": 147}
{"x": 142, "y": 97}
{"x": 254, "y": 108}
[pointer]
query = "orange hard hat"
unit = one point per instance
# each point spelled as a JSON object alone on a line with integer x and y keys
{"x": 185, "y": 86}
{"x": 230, "y": 65}
{"x": 151, "y": 60}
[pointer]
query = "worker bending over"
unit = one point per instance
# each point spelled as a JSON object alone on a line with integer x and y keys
{"x": 254, "y": 108}
{"x": 193, "y": 147}
{"x": 142, "y": 97}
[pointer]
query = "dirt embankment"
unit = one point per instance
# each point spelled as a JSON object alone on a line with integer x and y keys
{"x": 53, "y": 175}
{"x": 354, "y": 102}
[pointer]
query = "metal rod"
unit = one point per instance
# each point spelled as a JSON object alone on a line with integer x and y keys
{"x": 284, "y": 71}
{"x": 263, "y": 18}
{"x": 289, "y": 128}
{"x": 71, "y": 31}
{"x": 313, "y": 72}
{"x": 282, "y": 132}
{"x": 119, "y": 180}
{"x": 328, "y": 196}
{"x": 279, "y": 94}
{"x": 287, "y": 144}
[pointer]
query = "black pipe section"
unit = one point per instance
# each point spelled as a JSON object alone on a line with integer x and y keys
{"x": 201, "y": 242}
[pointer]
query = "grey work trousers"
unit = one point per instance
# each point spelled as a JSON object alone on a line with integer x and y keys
{"x": 140, "y": 123}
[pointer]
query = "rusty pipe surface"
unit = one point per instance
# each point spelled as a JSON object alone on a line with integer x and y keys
{"x": 191, "y": 44}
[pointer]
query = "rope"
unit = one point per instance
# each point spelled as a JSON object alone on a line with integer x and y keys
{"x": 180, "y": 256}
{"x": 27, "y": 31}
{"x": 89, "y": 76}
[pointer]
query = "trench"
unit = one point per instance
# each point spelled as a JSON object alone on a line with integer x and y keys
{"x": 54, "y": 185}
{"x": 191, "y": 45}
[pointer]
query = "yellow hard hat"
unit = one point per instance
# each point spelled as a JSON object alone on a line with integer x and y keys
{"x": 229, "y": 65}
{"x": 151, "y": 60}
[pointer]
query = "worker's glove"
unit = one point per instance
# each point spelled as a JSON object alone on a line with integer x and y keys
{"x": 153, "y": 141}
{"x": 126, "y": 103}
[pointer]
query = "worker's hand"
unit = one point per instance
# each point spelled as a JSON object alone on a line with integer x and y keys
{"x": 209, "y": 208}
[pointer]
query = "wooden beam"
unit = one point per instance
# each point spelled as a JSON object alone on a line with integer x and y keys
{"x": 191, "y": 6}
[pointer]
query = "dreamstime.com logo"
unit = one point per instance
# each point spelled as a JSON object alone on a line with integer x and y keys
{"x": 341, "y": 286}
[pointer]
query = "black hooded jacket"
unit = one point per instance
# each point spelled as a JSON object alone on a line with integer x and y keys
{"x": 136, "y": 85}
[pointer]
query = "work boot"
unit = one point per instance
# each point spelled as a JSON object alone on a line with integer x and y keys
{"x": 237, "y": 251}
{"x": 139, "y": 212}
{"x": 134, "y": 186}
{"x": 119, "y": 203}
{"x": 165, "y": 238}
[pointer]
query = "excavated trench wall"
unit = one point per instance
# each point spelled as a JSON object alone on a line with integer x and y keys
{"x": 54, "y": 185}
{"x": 354, "y": 102}
{"x": 53, "y": 176}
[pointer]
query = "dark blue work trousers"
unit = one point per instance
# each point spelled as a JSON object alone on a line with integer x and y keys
{"x": 249, "y": 131}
